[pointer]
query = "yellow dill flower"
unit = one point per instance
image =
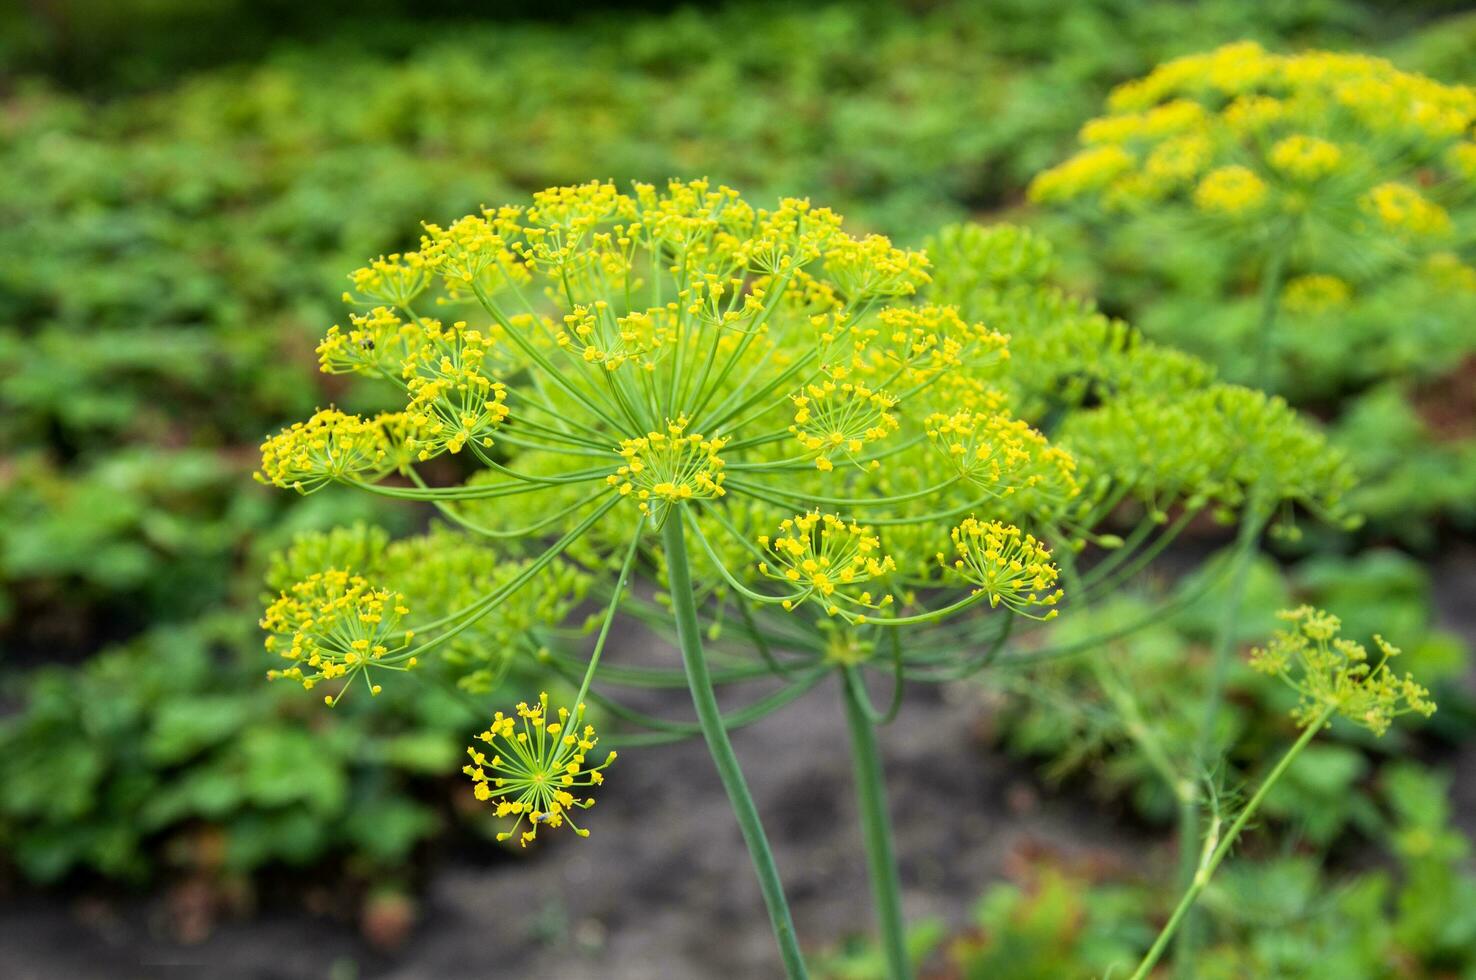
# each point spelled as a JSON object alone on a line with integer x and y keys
{"x": 1004, "y": 563}
{"x": 1330, "y": 672}
{"x": 1000, "y": 454}
{"x": 329, "y": 446}
{"x": 928, "y": 340}
{"x": 471, "y": 253}
{"x": 1239, "y": 113}
{"x": 395, "y": 279}
{"x": 671, "y": 467}
{"x": 870, "y": 267}
{"x": 1233, "y": 191}
{"x": 597, "y": 335}
{"x": 1178, "y": 161}
{"x": 1089, "y": 170}
{"x": 1316, "y": 293}
{"x": 376, "y": 343}
{"x": 840, "y": 419}
{"x": 1401, "y": 208}
{"x": 823, "y": 557}
{"x": 1227, "y": 71}
{"x": 1305, "y": 158}
{"x": 1180, "y": 116}
{"x": 534, "y": 766}
{"x": 1250, "y": 115}
{"x": 453, "y": 399}
{"x": 333, "y": 625}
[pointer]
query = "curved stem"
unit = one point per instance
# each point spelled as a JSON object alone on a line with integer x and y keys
{"x": 1240, "y": 560}
{"x": 1213, "y": 856}
{"x": 1264, "y": 372}
{"x": 689, "y": 635}
{"x": 876, "y": 827}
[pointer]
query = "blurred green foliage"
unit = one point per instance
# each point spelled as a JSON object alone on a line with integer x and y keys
{"x": 1268, "y": 914}
{"x": 171, "y": 745}
{"x": 1070, "y": 716}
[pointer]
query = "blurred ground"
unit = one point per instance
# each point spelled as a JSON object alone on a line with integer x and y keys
{"x": 663, "y": 887}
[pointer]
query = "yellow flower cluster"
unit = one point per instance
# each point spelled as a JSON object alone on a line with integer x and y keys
{"x": 1239, "y": 129}
{"x": 376, "y": 343}
{"x": 453, "y": 400}
{"x": 1315, "y": 293}
{"x": 329, "y": 446}
{"x": 1005, "y": 564}
{"x": 1404, "y": 210}
{"x": 334, "y": 624}
{"x": 1091, "y": 170}
{"x": 598, "y": 336}
{"x": 1001, "y": 454}
{"x": 471, "y": 254}
{"x": 681, "y": 348}
{"x": 824, "y": 557}
{"x": 669, "y": 467}
{"x": 537, "y": 765}
{"x": 840, "y": 419}
{"x": 1332, "y": 673}
{"x": 870, "y": 268}
{"x": 1305, "y": 158}
{"x": 1232, "y": 191}
{"x": 395, "y": 280}
{"x": 926, "y": 341}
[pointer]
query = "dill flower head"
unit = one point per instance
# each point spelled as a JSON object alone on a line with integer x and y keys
{"x": 335, "y": 625}
{"x": 453, "y": 397}
{"x": 623, "y": 359}
{"x": 535, "y": 768}
{"x": 1315, "y": 293}
{"x": 330, "y": 446}
{"x": 1335, "y": 674}
{"x": 1402, "y": 209}
{"x": 1001, "y": 454}
{"x": 664, "y": 468}
{"x": 826, "y": 558}
{"x": 1240, "y": 130}
{"x": 394, "y": 280}
{"x": 839, "y": 419}
{"x": 1005, "y": 564}
{"x": 376, "y": 343}
{"x": 1232, "y": 191}
{"x": 1305, "y": 158}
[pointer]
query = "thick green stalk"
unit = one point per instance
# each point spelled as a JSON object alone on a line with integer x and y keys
{"x": 689, "y": 637}
{"x": 876, "y": 828}
{"x": 1213, "y": 857}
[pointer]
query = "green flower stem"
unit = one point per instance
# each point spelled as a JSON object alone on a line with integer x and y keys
{"x": 1213, "y": 857}
{"x": 1262, "y": 370}
{"x": 599, "y": 647}
{"x": 689, "y": 635}
{"x": 1135, "y": 725}
{"x": 876, "y": 827}
{"x": 734, "y": 720}
{"x": 1252, "y": 521}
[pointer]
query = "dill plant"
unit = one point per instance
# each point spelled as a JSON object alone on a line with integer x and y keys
{"x": 835, "y": 458}
{"x": 1304, "y": 221}
{"x": 1328, "y": 181}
